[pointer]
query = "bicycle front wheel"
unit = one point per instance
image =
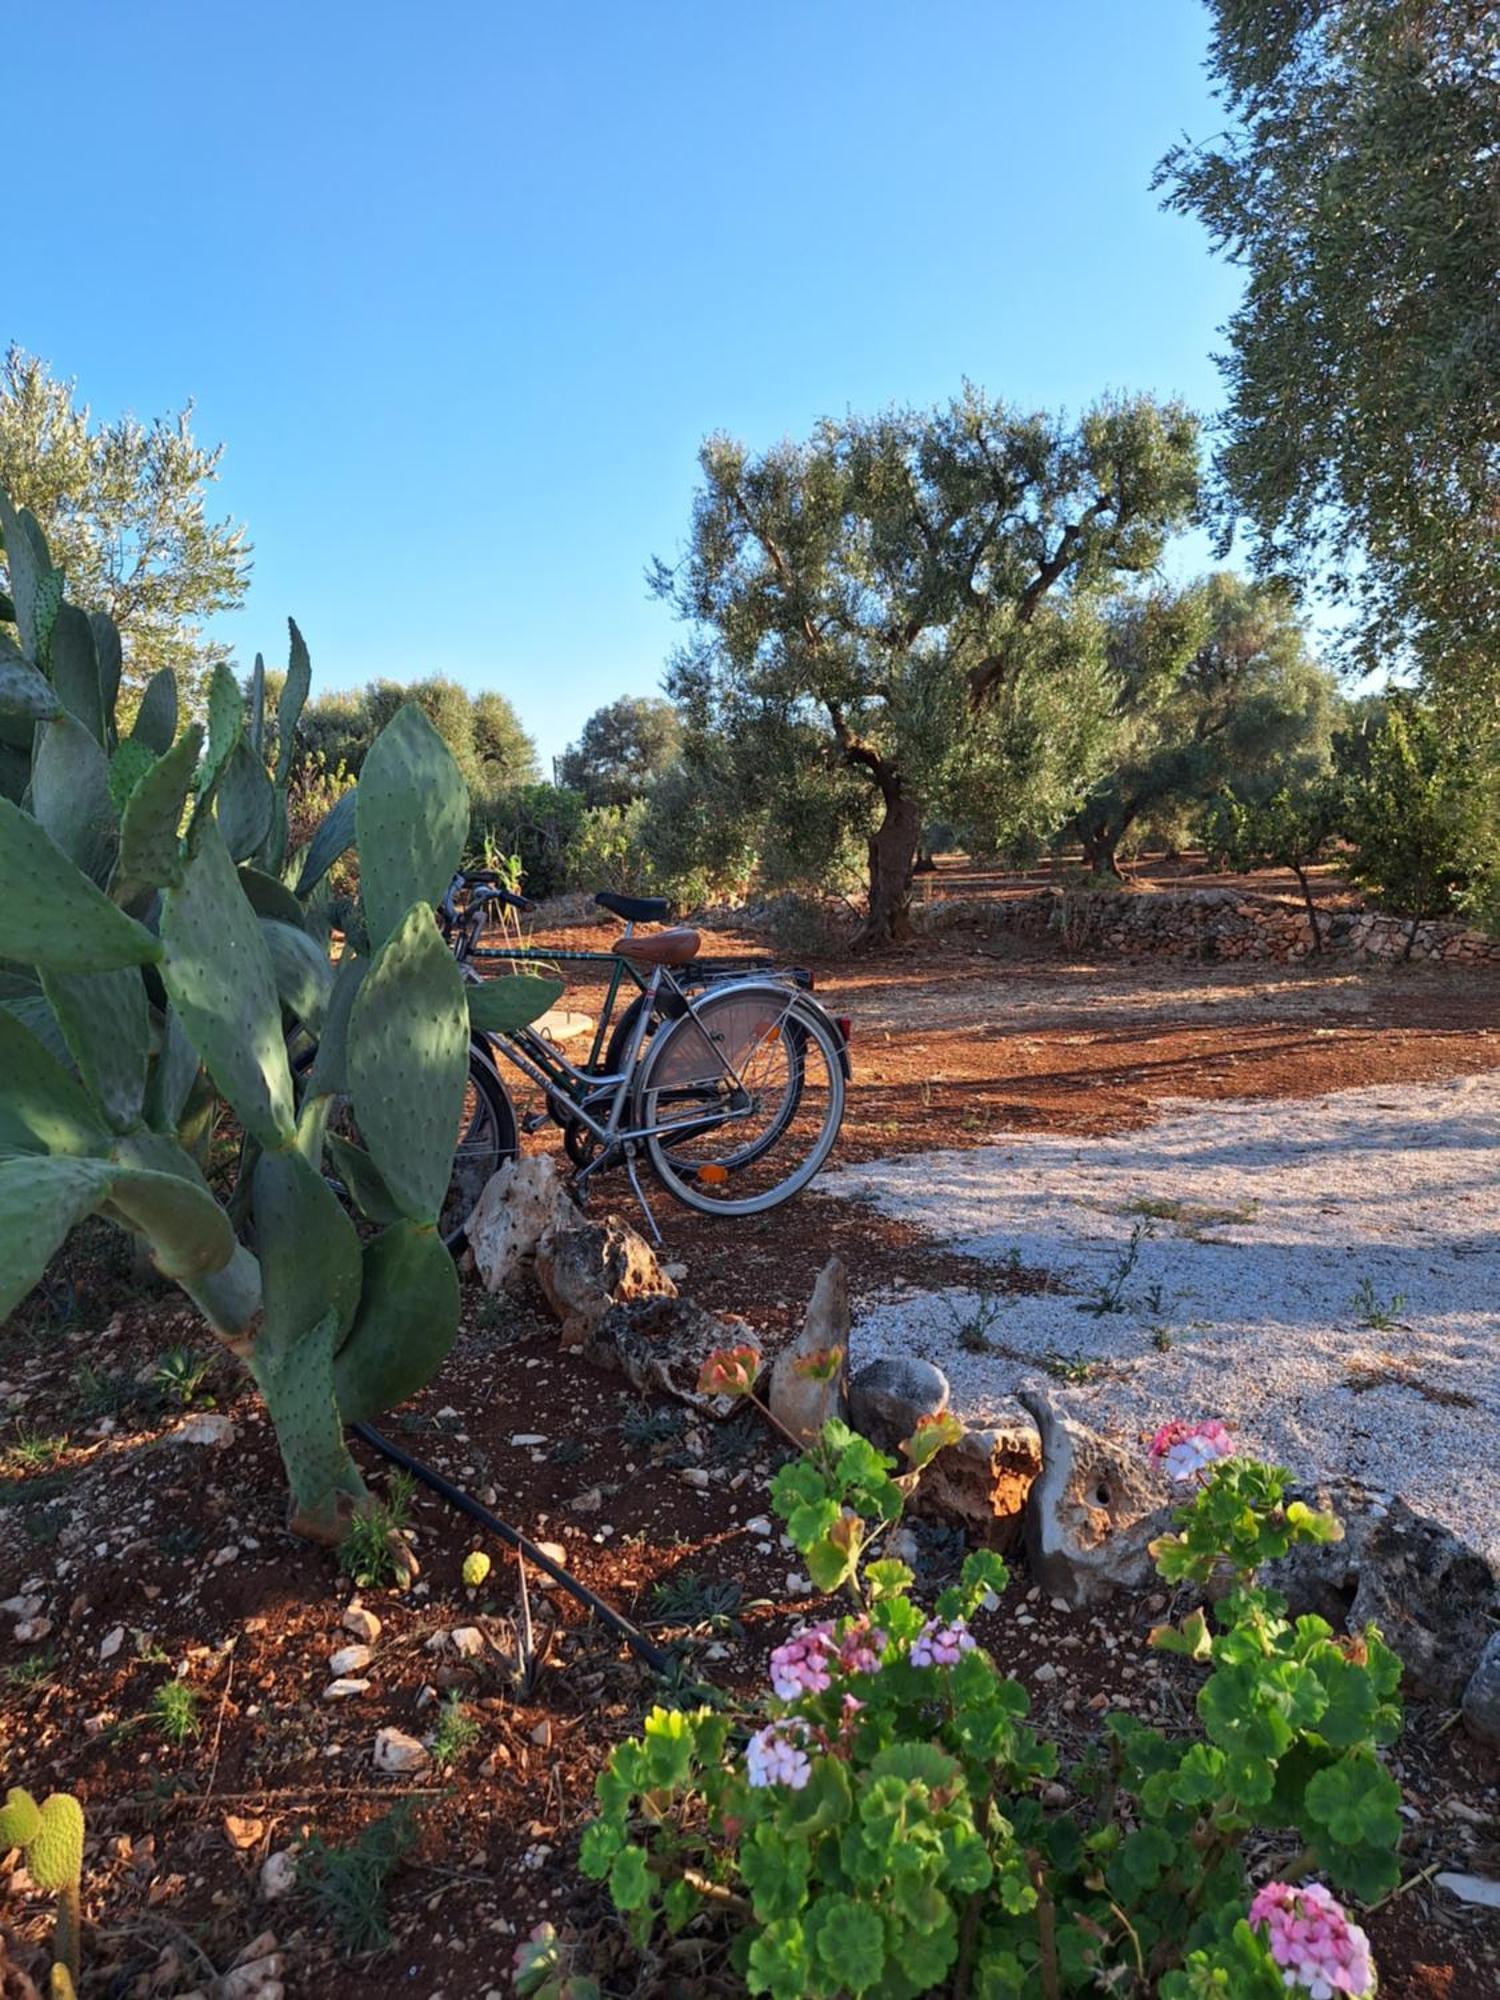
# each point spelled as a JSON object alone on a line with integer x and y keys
{"x": 485, "y": 1140}
{"x": 742, "y": 1099}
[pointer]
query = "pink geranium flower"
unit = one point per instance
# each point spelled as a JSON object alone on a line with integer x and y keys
{"x": 861, "y": 1648}
{"x": 1188, "y": 1450}
{"x": 776, "y": 1755}
{"x": 1312, "y": 1942}
{"x": 940, "y": 1645}
{"x": 802, "y": 1664}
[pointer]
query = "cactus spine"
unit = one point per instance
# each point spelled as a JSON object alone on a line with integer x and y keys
{"x": 157, "y": 946}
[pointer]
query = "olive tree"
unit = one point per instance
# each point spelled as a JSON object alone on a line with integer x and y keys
{"x": 124, "y": 507}
{"x": 621, "y": 749}
{"x": 892, "y": 618}
{"x": 1419, "y": 804}
{"x": 1214, "y": 687}
{"x": 1358, "y": 187}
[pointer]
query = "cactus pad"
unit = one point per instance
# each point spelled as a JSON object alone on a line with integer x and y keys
{"x": 362, "y": 1181}
{"x": 270, "y": 898}
{"x": 31, "y": 573}
{"x": 106, "y": 1023}
{"x": 330, "y": 1070}
{"x": 297, "y": 1383}
{"x": 226, "y": 721}
{"x": 20, "y": 1817}
{"x": 174, "y": 1070}
{"x": 156, "y": 718}
{"x": 108, "y": 653}
{"x": 40, "y": 1200}
{"x": 150, "y": 847}
{"x": 408, "y": 1061}
{"x": 43, "y": 1109}
{"x": 74, "y": 667}
{"x": 408, "y": 1316}
{"x": 52, "y": 915}
{"x": 23, "y": 691}
{"x": 304, "y": 978}
{"x": 309, "y": 1252}
{"x": 335, "y": 836}
{"x": 129, "y": 762}
{"x": 54, "y": 1853}
{"x": 294, "y": 692}
{"x": 245, "y": 801}
{"x": 70, "y": 796}
{"x": 255, "y": 711}
{"x": 500, "y": 1006}
{"x": 412, "y": 817}
{"x": 189, "y": 1233}
{"x": 219, "y": 976}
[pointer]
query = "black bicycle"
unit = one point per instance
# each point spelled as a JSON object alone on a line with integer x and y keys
{"x": 725, "y": 1075}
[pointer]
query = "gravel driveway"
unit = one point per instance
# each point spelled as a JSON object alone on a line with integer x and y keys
{"x": 1322, "y": 1273}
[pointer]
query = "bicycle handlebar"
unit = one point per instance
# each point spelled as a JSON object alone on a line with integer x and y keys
{"x": 490, "y": 888}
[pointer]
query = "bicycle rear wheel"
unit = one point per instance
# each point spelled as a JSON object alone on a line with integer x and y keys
{"x": 793, "y": 1041}
{"x": 743, "y": 1098}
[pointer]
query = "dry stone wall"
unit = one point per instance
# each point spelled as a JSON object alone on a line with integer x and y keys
{"x": 1208, "y": 924}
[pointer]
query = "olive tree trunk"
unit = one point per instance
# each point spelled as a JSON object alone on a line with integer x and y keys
{"x": 892, "y": 859}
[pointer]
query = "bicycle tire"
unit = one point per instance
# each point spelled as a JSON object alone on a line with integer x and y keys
{"x": 696, "y": 1181}
{"x": 498, "y": 1142}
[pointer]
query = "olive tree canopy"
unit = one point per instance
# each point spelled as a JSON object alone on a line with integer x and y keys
{"x": 124, "y": 507}
{"x": 893, "y": 619}
{"x": 1358, "y": 186}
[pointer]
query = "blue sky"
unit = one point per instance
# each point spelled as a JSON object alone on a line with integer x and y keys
{"x": 462, "y": 287}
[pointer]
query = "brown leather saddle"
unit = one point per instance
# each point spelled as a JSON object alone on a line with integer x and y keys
{"x": 674, "y": 947}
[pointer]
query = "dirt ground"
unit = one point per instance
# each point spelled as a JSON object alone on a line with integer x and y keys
{"x": 159, "y": 1561}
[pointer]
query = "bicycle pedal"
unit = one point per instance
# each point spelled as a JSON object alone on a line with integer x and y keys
{"x": 534, "y": 1122}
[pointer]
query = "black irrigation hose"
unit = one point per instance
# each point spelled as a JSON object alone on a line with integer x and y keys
{"x": 659, "y": 1662}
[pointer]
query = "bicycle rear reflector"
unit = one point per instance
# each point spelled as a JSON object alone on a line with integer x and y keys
{"x": 713, "y": 1175}
{"x": 845, "y": 1026}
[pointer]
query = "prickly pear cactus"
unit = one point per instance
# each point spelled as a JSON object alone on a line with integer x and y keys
{"x": 157, "y": 950}
{"x": 50, "y": 1835}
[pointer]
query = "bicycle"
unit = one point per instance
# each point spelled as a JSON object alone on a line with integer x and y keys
{"x": 726, "y": 1074}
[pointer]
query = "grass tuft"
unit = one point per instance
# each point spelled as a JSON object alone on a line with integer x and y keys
{"x": 348, "y": 1885}
{"x": 367, "y": 1552}
{"x": 456, "y": 1732}
{"x": 174, "y": 1710}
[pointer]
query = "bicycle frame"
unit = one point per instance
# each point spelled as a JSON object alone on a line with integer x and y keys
{"x": 552, "y": 1072}
{"x": 620, "y": 969}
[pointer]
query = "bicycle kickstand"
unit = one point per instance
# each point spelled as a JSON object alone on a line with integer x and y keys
{"x": 640, "y": 1195}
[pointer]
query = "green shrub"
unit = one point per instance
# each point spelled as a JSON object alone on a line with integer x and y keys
{"x": 608, "y": 852}
{"x": 1419, "y": 805}
{"x": 348, "y": 1885}
{"x": 174, "y": 1710}
{"x": 374, "y": 1551}
{"x": 537, "y": 822}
